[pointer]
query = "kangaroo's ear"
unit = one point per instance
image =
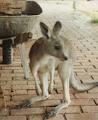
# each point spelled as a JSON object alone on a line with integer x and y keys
{"x": 57, "y": 27}
{"x": 44, "y": 29}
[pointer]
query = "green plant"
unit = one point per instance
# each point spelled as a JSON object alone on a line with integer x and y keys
{"x": 94, "y": 20}
{"x": 94, "y": 17}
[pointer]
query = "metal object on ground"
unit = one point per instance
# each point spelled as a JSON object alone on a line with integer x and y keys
{"x": 16, "y": 24}
{"x": 12, "y": 25}
{"x": 7, "y": 52}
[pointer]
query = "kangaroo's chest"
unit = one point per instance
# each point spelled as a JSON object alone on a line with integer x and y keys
{"x": 45, "y": 64}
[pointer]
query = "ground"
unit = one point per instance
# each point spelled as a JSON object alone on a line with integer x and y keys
{"x": 83, "y": 35}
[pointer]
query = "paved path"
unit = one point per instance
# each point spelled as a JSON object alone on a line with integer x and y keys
{"x": 84, "y": 106}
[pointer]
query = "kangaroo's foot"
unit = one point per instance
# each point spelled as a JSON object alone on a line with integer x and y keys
{"x": 56, "y": 110}
{"x": 25, "y": 104}
{"x": 28, "y": 103}
{"x": 50, "y": 114}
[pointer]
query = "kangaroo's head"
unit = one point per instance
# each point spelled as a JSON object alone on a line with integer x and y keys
{"x": 52, "y": 40}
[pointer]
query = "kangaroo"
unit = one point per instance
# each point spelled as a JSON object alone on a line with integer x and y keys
{"x": 49, "y": 53}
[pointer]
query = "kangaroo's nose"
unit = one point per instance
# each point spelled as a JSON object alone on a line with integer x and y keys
{"x": 65, "y": 58}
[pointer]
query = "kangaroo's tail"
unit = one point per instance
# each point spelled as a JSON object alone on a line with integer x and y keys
{"x": 78, "y": 86}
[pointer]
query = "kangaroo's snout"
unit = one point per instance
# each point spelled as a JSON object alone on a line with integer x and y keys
{"x": 65, "y": 58}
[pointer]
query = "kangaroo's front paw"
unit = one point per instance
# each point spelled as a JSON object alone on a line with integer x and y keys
{"x": 50, "y": 114}
{"x": 50, "y": 89}
{"x": 46, "y": 97}
{"x": 26, "y": 77}
{"x": 38, "y": 91}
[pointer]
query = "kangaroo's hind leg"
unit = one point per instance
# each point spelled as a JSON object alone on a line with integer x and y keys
{"x": 34, "y": 71}
{"x": 44, "y": 79}
{"x": 64, "y": 71}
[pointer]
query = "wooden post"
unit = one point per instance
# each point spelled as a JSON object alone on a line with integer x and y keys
{"x": 24, "y": 58}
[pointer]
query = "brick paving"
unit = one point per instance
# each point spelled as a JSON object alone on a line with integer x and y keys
{"x": 84, "y": 106}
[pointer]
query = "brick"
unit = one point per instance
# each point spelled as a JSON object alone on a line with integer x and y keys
{"x": 5, "y": 71}
{"x": 96, "y": 100}
{"x": 19, "y": 82}
{"x": 6, "y": 87}
{"x": 12, "y": 75}
{"x": 6, "y": 92}
{"x": 31, "y": 82}
{"x": 58, "y": 85}
{"x": 92, "y": 73}
{"x": 80, "y": 70}
{"x": 71, "y": 109}
{"x": 18, "y": 75}
{"x": 56, "y": 96}
{"x": 92, "y": 70}
{"x": 95, "y": 77}
{"x": 16, "y": 67}
{"x": 4, "y": 112}
{"x": 94, "y": 90}
{"x": 23, "y": 87}
{"x": 77, "y": 64}
{"x": 19, "y": 92}
{"x": 18, "y": 78}
{"x": 14, "y": 82}
{"x": 86, "y": 95}
{"x": 86, "y": 63}
{"x": 28, "y": 111}
{"x": 58, "y": 117}
{"x": 40, "y": 117}
{"x": 82, "y": 116}
{"x": 96, "y": 64}
{"x": 13, "y": 118}
{"x": 90, "y": 109}
{"x": 12, "y": 104}
{"x": 35, "y": 117}
{"x": 3, "y": 83}
{"x": 84, "y": 78}
{"x": 31, "y": 92}
{"x": 21, "y": 97}
{"x": 1, "y": 102}
{"x": 18, "y": 71}
{"x": 60, "y": 91}
{"x": 82, "y": 102}
{"x": 85, "y": 66}
{"x": 5, "y": 78}
{"x": 7, "y": 98}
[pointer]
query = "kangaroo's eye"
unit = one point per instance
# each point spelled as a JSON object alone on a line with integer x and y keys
{"x": 57, "y": 47}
